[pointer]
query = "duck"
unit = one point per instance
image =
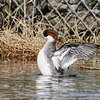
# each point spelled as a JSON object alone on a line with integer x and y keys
{"x": 52, "y": 61}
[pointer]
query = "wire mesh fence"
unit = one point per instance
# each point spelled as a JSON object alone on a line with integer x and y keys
{"x": 75, "y": 18}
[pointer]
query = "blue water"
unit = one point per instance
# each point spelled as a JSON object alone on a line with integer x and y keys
{"x": 22, "y": 81}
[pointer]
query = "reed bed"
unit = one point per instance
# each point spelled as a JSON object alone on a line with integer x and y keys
{"x": 21, "y": 46}
{"x": 24, "y": 45}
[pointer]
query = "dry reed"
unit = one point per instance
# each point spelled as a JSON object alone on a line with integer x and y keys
{"x": 21, "y": 46}
{"x": 24, "y": 45}
{"x": 14, "y": 44}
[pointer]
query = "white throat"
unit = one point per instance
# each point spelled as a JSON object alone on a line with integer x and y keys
{"x": 50, "y": 38}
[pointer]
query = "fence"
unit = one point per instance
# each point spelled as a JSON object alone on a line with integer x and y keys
{"x": 69, "y": 17}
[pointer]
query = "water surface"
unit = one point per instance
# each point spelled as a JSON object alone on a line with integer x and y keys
{"x": 20, "y": 80}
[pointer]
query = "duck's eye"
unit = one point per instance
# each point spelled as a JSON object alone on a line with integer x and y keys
{"x": 45, "y": 34}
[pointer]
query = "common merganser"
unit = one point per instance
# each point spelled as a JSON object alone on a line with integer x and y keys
{"x": 53, "y": 62}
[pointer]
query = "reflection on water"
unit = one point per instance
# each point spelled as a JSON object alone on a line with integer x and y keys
{"x": 20, "y": 80}
{"x": 67, "y": 88}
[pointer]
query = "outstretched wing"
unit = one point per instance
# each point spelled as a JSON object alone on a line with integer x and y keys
{"x": 70, "y": 52}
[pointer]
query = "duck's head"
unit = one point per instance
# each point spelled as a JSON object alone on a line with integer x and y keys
{"x": 50, "y": 34}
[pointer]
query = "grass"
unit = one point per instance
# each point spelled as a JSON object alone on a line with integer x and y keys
{"x": 24, "y": 45}
{"x": 20, "y": 46}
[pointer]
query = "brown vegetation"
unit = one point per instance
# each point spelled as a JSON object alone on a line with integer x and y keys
{"x": 20, "y": 46}
{"x": 25, "y": 45}
{"x": 17, "y": 38}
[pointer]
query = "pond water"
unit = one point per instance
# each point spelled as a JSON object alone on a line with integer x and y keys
{"x": 21, "y": 80}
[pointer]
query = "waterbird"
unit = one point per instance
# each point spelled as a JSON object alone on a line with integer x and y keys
{"x": 54, "y": 62}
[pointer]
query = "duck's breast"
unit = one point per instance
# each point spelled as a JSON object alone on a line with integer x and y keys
{"x": 44, "y": 63}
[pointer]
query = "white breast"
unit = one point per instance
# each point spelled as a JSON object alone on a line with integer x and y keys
{"x": 43, "y": 63}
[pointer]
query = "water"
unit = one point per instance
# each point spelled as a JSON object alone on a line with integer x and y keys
{"x": 22, "y": 81}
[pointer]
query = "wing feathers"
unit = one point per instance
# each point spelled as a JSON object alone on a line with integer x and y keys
{"x": 70, "y": 52}
{"x": 56, "y": 62}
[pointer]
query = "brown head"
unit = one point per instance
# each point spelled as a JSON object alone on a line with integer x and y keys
{"x": 50, "y": 33}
